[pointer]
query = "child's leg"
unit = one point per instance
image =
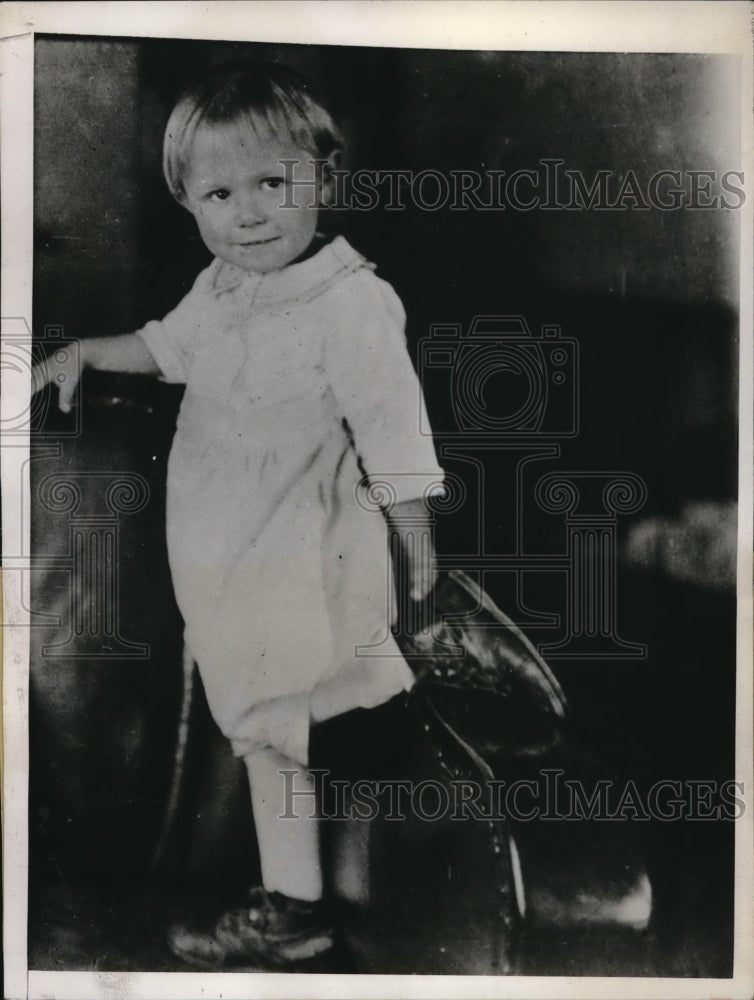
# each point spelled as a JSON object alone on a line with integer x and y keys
{"x": 286, "y": 923}
{"x": 288, "y": 848}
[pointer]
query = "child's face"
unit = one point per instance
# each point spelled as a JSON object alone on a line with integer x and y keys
{"x": 236, "y": 188}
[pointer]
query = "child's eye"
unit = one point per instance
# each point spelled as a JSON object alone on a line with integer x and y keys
{"x": 221, "y": 194}
{"x": 272, "y": 183}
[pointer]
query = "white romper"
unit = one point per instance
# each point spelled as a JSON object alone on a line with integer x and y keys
{"x": 298, "y": 383}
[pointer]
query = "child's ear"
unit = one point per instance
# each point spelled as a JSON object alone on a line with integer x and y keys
{"x": 182, "y": 198}
{"x": 331, "y": 163}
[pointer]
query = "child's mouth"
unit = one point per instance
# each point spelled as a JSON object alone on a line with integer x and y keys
{"x": 259, "y": 243}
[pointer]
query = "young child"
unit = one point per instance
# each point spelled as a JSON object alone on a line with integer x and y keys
{"x": 298, "y": 385}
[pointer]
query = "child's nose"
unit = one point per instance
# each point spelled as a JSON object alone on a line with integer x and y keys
{"x": 249, "y": 210}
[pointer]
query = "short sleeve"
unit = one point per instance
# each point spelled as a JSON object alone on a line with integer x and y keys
{"x": 172, "y": 340}
{"x": 377, "y": 389}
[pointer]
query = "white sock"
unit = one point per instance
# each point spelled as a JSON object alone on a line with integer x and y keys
{"x": 288, "y": 848}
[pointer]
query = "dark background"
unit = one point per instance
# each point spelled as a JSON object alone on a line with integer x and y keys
{"x": 650, "y": 297}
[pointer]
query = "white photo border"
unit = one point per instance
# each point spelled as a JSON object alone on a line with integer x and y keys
{"x": 707, "y": 27}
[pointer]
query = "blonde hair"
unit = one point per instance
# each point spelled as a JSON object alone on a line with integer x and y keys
{"x": 265, "y": 98}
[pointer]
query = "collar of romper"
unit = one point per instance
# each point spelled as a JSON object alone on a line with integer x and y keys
{"x": 302, "y": 281}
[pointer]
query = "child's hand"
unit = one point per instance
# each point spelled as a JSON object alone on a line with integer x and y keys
{"x": 125, "y": 353}
{"x": 422, "y": 569}
{"x": 62, "y": 368}
{"x": 411, "y": 523}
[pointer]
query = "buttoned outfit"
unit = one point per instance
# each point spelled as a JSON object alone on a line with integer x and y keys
{"x": 302, "y": 418}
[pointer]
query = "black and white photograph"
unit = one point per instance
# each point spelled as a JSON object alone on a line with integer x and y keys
{"x": 377, "y": 500}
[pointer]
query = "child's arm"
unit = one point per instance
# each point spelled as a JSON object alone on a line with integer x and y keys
{"x": 410, "y": 521}
{"x": 127, "y": 353}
